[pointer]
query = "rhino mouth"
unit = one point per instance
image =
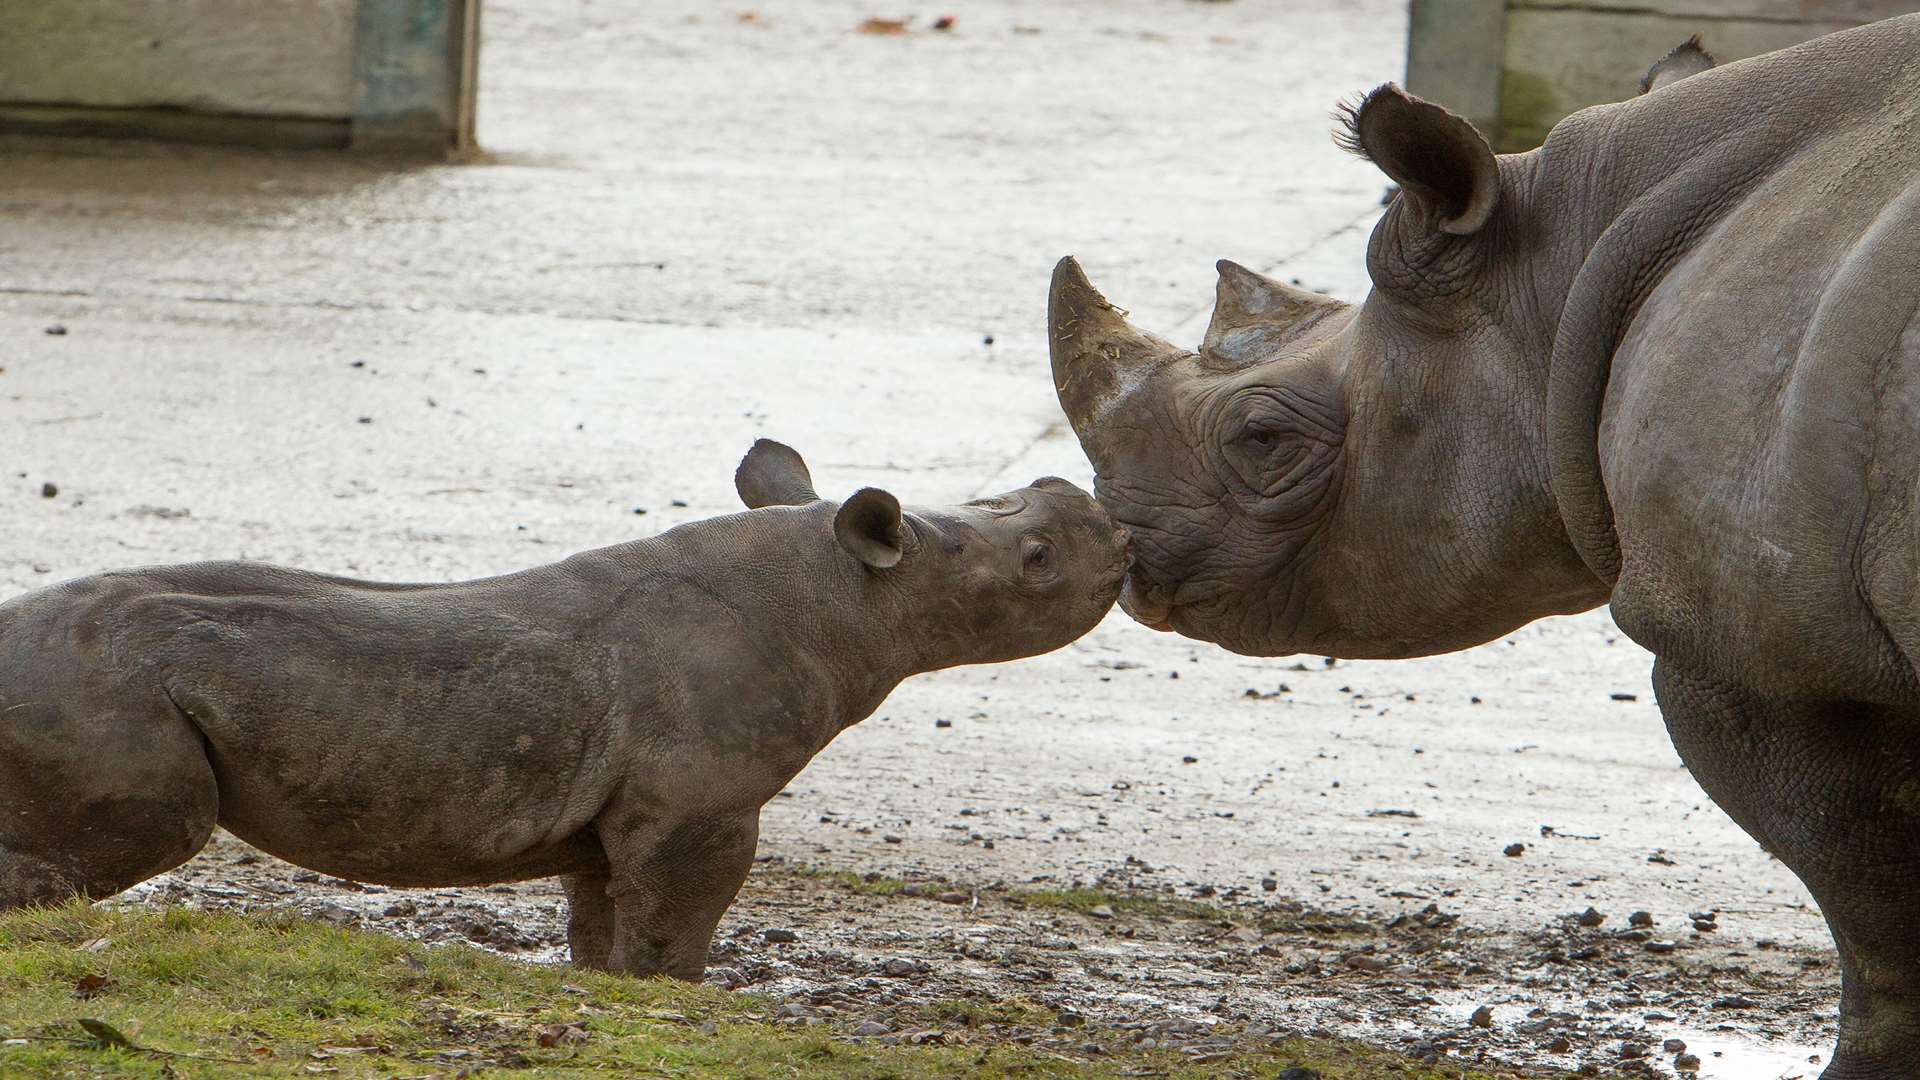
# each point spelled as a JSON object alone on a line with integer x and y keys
{"x": 1143, "y": 605}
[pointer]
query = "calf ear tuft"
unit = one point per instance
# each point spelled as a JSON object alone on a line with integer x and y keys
{"x": 869, "y": 526}
{"x": 1443, "y": 165}
{"x": 773, "y": 474}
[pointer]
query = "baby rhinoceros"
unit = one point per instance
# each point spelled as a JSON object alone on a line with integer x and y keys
{"x": 618, "y": 718}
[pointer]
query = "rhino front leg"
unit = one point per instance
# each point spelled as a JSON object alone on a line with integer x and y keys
{"x": 1832, "y": 789}
{"x": 671, "y": 882}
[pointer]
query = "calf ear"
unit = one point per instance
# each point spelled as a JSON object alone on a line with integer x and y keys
{"x": 1688, "y": 58}
{"x": 1441, "y": 163}
{"x": 772, "y": 474}
{"x": 868, "y": 525}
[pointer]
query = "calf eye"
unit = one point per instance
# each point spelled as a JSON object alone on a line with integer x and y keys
{"x": 1038, "y": 555}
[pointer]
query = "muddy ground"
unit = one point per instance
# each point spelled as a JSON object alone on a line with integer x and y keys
{"x": 691, "y": 228}
{"x": 1619, "y": 992}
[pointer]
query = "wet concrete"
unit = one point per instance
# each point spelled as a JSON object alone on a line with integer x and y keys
{"x": 691, "y": 228}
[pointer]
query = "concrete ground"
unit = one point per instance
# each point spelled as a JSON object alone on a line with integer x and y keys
{"x": 694, "y": 226}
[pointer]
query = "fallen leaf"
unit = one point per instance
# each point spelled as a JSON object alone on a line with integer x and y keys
{"x": 883, "y": 26}
{"x": 551, "y": 1035}
{"x": 95, "y": 944}
{"x": 87, "y": 986}
{"x": 104, "y": 1033}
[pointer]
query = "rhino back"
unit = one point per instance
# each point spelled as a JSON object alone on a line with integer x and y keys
{"x": 1756, "y": 438}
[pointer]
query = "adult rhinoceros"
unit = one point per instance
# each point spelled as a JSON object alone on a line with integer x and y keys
{"x": 1669, "y": 360}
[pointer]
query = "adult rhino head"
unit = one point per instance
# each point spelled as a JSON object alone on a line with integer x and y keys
{"x": 1365, "y": 481}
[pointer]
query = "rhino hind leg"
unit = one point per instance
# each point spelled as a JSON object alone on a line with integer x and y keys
{"x": 670, "y": 882}
{"x": 95, "y": 800}
{"x": 1832, "y": 789}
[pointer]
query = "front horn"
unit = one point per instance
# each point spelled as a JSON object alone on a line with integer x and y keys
{"x": 1098, "y": 357}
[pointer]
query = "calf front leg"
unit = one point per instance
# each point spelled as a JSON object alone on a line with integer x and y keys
{"x": 671, "y": 881}
{"x": 1833, "y": 790}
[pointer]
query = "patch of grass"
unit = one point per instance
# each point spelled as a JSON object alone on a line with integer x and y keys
{"x": 257, "y": 996}
{"x": 1012, "y": 1012}
{"x": 1085, "y": 901}
{"x": 858, "y": 884}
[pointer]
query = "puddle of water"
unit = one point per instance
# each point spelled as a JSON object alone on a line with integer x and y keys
{"x": 1724, "y": 1055}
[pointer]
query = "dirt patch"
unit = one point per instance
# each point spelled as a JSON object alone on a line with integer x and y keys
{"x": 1203, "y": 973}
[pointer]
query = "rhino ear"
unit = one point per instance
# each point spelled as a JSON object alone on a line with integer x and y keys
{"x": 1688, "y": 58}
{"x": 1252, "y": 313}
{"x": 868, "y": 526}
{"x": 1440, "y": 162}
{"x": 772, "y": 474}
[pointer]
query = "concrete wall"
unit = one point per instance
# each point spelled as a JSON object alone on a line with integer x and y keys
{"x": 1515, "y": 67}
{"x": 306, "y": 72}
{"x": 268, "y": 57}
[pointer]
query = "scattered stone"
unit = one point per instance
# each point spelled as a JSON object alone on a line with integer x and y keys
{"x": 1629, "y": 1050}
{"x": 1674, "y": 1046}
{"x": 1559, "y": 1044}
{"x": 900, "y": 967}
{"x": 1514, "y": 851}
{"x": 401, "y": 909}
{"x": 56, "y": 330}
{"x": 1101, "y": 911}
{"x": 870, "y": 1028}
{"x": 1268, "y": 884}
{"x": 1482, "y": 1017}
{"x": 1735, "y": 1001}
{"x": 942, "y": 723}
{"x": 1686, "y": 1063}
{"x": 1640, "y": 918}
{"x": 891, "y": 839}
{"x": 1624, "y": 697}
{"x": 1590, "y": 918}
{"x": 953, "y": 898}
{"x": 1188, "y": 759}
{"x": 1660, "y": 947}
{"x": 49, "y": 489}
{"x": 779, "y": 937}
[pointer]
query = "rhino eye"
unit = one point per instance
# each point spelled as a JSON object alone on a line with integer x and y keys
{"x": 1036, "y": 559}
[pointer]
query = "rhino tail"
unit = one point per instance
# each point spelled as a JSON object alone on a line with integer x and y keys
{"x": 1688, "y": 58}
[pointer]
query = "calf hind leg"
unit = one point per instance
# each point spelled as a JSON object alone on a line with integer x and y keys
{"x": 1833, "y": 790}
{"x": 92, "y": 805}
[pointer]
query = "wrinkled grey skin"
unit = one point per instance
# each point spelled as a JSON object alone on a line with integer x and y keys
{"x": 1670, "y": 359}
{"x": 619, "y": 717}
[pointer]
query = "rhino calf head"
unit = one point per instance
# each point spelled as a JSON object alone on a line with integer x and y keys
{"x": 990, "y": 580}
{"x": 1360, "y": 481}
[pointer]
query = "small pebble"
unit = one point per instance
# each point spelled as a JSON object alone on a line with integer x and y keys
{"x": 49, "y": 490}
{"x": 56, "y": 330}
{"x": 1640, "y": 918}
{"x": 1591, "y": 918}
{"x": 779, "y": 937}
{"x": 1514, "y": 851}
